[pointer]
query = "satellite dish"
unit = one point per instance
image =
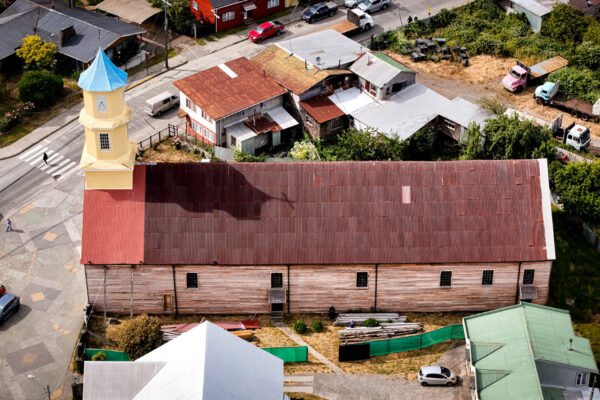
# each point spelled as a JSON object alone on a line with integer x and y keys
{"x": 318, "y": 60}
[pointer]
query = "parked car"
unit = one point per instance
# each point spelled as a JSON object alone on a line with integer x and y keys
{"x": 352, "y": 3}
{"x": 371, "y": 6}
{"x": 2, "y": 289}
{"x": 435, "y": 375}
{"x": 161, "y": 103}
{"x": 9, "y": 305}
{"x": 265, "y": 30}
{"x": 319, "y": 11}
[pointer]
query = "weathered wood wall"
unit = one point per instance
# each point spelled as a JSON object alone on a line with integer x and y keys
{"x": 244, "y": 289}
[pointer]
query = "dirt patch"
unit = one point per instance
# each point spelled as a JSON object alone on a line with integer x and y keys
{"x": 482, "y": 78}
{"x": 166, "y": 152}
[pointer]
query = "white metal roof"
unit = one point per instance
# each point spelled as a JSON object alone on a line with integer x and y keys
{"x": 240, "y": 131}
{"x": 376, "y": 71}
{"x": 350, "y": 100}
{"x": 128, "y": 378}
{"x": 282, "y": 117}
{"x": 464, "y": 112}
{"x": 403, "y": 114}
{"x": 533, "y": 7}
{"x": 332, "y": 48}
{"x": 204, "y": 363}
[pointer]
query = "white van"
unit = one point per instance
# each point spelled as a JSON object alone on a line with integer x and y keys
{"x": 161, "y": 103}
{"x": 578, "y": 137}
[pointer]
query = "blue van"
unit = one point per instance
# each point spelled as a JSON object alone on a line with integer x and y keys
{"x": 9, "y": 305}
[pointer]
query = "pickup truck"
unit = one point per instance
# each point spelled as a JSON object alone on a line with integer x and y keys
{"x": 319, "y": 11}
{"x": 266, "y": 30}
{"x": 356, "y": 21}
{"x": 371, "y": 6}
{"x": 520, "y": 75}
{"x": 548, "y": 94}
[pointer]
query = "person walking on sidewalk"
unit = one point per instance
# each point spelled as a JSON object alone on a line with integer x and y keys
{"x": 8, "y": 225}
{"x": 45, "y": 157}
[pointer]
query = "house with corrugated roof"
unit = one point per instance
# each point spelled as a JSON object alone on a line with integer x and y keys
{"x": 206, "y": 362}
{"x": 221, "y": 15}
{"x": 536, "y": 11}
{"x": 527, "y": 351}
{"x": 76, "y": 32}
{"x": 235, "y": 105}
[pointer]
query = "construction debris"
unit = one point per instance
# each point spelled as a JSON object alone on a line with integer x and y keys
{"x": 383, "y": 331}
{"x": 359, "y": 318}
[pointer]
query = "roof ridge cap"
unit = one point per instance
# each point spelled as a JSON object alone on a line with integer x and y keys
{"x": 532, "y": 352}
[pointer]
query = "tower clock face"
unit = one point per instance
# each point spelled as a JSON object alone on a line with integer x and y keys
{"x": 101, "y": 107}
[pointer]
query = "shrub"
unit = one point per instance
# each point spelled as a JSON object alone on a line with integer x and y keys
{"x": 140, "y": 336}
{"x": 241, "y": 156}
{"x": 12, "y": 117}
{"x": 370, "y": 323}
{"x": 577, "y": 83}
{"x": 565, "y": 23}
{"x": 317, "y": 326}
{"x": 493, "y": 105}
{"x": 299, "y": 327}
{"x": 578, "y": 185}
{"x": 304, "y": 150}
{"x": 99, "y": 356}
{"x": 40, "y": 87}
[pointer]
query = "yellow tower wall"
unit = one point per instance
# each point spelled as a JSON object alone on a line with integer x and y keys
{"x": 109, "y": 180}
{"x": 115, "y": 103}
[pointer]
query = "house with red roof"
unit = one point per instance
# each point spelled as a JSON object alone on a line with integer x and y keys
{"x": 226, "y": 14}
{"x": 235, "y": 105}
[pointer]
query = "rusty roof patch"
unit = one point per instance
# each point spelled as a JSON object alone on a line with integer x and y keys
{"x": 290, "y": 71}
{"x": 219, "y": 95}
{"x": 321, "y": 109}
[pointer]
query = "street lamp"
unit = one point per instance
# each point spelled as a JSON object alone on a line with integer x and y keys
{"x": 31, "y": 376}
{"x": 166, "y": 3}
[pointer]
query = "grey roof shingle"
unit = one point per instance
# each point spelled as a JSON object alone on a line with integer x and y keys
{"x": 19, "y": 20}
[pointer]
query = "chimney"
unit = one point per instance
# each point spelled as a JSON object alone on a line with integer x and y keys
{"x": 65, "y": 35}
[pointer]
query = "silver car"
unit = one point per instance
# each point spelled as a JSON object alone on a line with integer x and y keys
{"x": 370, "y": 6}
{"x": 352, "y": 3}
{"x": 435, "y": 375}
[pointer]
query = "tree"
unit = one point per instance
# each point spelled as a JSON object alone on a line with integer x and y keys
{"x": 179, "y": 14}
{"x": 593, "y": 32}
{"x": 578, "y": 185}
{"x": 355, "y": 145}
{"x": 506, "y": 138}
{"x": 40, "y": 87}
{"x": 565, "y": 23}
{"x": 577, "y": 82}
{"x": 35, "y": 53}
{"x": 140, "y": 336}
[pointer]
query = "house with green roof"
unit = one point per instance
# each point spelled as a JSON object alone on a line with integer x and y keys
{"x": 527, "y": 352}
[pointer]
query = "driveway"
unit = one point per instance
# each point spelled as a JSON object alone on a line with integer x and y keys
{"x": 389, "y": 387}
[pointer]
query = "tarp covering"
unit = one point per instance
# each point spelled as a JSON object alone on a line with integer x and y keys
{"x": 289, "y": 354}
{"x": 133, "y": 10}
{"x": 111, "y": 355}
{"x": 416, "y": 342}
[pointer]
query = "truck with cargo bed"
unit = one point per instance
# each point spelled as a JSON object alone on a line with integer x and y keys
{"x": 319, "y": 11}
{"x": 520, "y": 75}
{"x": 356, "y": 21}
{"x": 548, "y": 95}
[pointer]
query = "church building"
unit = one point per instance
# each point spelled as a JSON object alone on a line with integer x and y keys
{"x": 245, "y": 238}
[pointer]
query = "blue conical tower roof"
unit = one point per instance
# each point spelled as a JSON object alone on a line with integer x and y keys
{"x": 102, "y": 75}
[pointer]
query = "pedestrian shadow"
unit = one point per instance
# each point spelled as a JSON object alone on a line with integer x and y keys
{"x": 17, "y": 231}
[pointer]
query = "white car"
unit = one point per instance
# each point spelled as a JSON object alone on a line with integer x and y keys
{"x": 435, "y": 375}
{"x": 370, "y": 6}
{"x": 352, "y": 3}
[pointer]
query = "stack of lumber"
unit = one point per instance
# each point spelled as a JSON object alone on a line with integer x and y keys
{"x": 381, "y": 332}
{"x": 359, "y": 318}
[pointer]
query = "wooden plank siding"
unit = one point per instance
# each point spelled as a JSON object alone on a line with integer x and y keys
{"x": 313, "y": 288}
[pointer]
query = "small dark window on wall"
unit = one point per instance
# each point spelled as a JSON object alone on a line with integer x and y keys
{"x": 362, "y": 279}
{"x": 488, "y": 277}
{"x": 191, "y": 280}
{"x": 446, "y": 278}
{"x": 276, "y": 280}
{"x": 528, "y": 276}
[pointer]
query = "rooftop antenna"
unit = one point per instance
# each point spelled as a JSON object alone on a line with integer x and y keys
{"x": 99, "y": 46}
{"x": 318, "y": 60}
{"x": 571, "y": 344}
{"x": 37, "y": 18}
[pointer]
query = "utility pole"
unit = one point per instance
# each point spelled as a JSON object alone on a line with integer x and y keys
{"x": 166, "y": 3}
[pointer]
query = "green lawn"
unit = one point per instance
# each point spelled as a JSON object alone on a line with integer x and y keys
{"x": 576, "y": 271}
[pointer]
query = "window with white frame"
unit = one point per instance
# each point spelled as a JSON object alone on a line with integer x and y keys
{"x": 195, "y": 5}
{"x": 233, "y": 141}
{"x": 228, "y": 16}
{"x": 580, "y": 381}
{"x": 272, "y": 3}
{"x": 309, "y": 120}
{"x": 104, "y": 141}
{"x": 196, "y": 127}
{"x": 449, "y": 125}
{"x": 189, "y": 104}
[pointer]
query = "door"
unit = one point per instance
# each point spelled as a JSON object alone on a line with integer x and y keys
{"x": 277, "y": 307}
{"x": 168, "y": 302}
{"x": 375, "y": 6}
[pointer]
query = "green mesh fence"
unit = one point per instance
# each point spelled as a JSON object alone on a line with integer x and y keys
{"x": 289, "y": 354}
{"x": 416, "y": 342}
{"x": 111, "y": 355}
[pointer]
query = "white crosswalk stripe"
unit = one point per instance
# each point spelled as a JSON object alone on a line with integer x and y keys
{"x": 57, "y": 166}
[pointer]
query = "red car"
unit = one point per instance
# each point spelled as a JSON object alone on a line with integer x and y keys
{"x": 266, "y": 30}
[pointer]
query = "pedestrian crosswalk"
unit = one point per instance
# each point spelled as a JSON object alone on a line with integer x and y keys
{"x": 57, "y": 165}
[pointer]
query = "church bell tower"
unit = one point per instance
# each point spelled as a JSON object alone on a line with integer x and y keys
{"x": 108, "y": 156}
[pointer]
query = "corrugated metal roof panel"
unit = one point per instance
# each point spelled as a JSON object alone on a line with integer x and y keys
{"x": 321, "y": 109}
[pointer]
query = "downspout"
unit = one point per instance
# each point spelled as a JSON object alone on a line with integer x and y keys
{"x": 518, "y": 279}
{"x": 288, "y": 290}
{"x": 376, "y": 270}
{"x": 104, "y": 306}
{"x": 175, "y": 289}
{"x": 131, "y": 295}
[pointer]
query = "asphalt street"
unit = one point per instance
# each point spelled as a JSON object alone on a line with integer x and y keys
{"x": 39, "y": 261}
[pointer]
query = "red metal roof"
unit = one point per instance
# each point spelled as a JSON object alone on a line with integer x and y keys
{"x": 219, "y": 94}
{"x": 321, "y": 109}
{"x": 113, "y": 223}
{"x": 336, "y": 213}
